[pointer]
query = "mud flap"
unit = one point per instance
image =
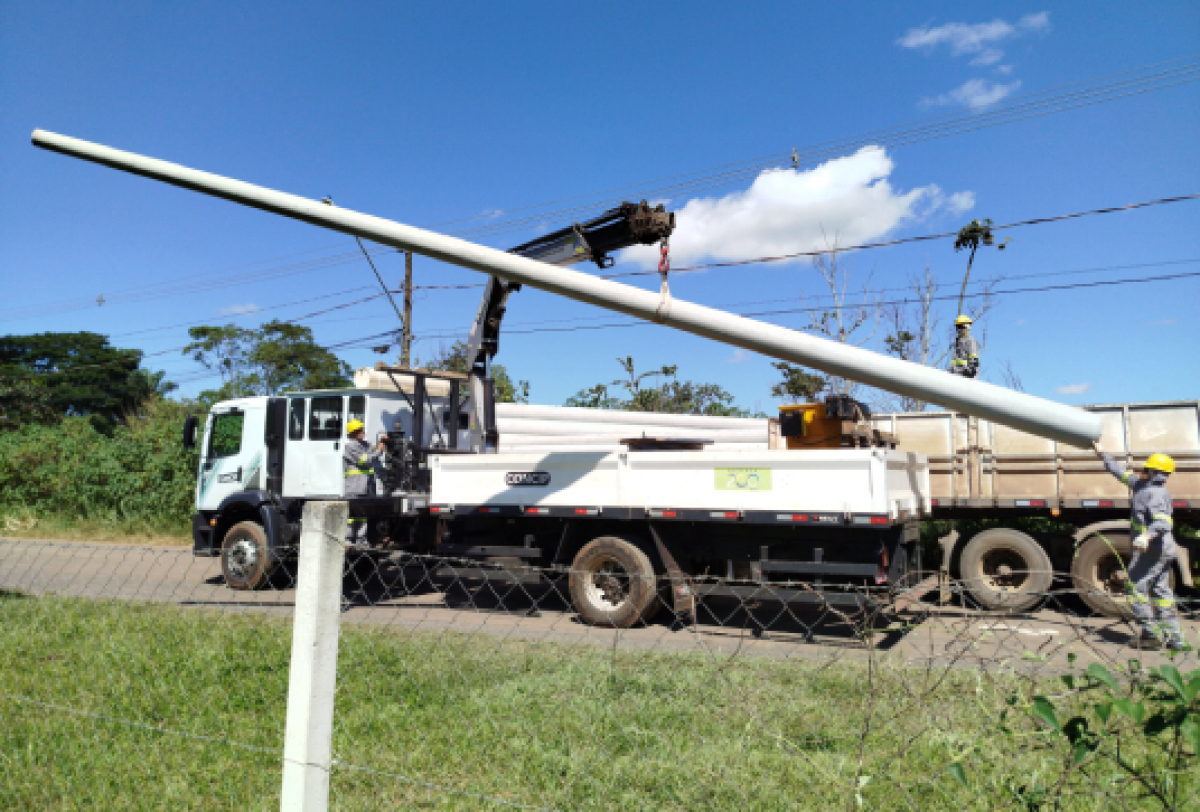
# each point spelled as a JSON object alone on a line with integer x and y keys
{"x": 683, "y": 597}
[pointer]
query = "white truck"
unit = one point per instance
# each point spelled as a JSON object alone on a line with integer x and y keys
{"x": 619, "y": 522}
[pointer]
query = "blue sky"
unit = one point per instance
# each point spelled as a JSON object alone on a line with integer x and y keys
{"x": 432, "y": 113}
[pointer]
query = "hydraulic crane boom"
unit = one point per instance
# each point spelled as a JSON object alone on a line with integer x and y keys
{"x": 1016, "y": 409}
{"x": 620, "y": 227}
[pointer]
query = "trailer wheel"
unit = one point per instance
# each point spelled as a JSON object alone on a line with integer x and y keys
{"x": 245, "y": 557}
{"x": 1100, "y": 573}
{"x": 613, "y": 584}
{"x": 1006, "y": 570}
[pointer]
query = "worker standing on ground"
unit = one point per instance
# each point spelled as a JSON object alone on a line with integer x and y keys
{"x": 966, "y": 350}
{"x": 1154, "y": 550}
{"x": 358, "y": 467}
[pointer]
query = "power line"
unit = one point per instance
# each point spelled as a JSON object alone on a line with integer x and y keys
{"x": 1148, "y": 78}
{"x": 1019, "y": 109}
{"x": 899, "y": 302}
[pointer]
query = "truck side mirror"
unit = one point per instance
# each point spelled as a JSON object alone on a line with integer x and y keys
{"x": 189, "y": 431}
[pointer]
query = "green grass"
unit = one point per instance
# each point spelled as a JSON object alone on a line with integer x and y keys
{"x": 548, "y": 725}
{"x": 15, "y": 523}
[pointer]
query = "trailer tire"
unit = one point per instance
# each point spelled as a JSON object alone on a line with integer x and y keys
{"x": 1099, "y": 573}
{"x": 613, "y": 584}
{"x": 1005, "y": 570}
{"x": 246, "y": 557}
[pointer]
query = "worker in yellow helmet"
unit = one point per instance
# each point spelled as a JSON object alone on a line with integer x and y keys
{"x": 965, "y": 352}
{"x": 358, "y": 468}
{"x": 1154, "y": 551}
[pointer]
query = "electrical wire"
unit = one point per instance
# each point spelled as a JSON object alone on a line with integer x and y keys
{"x": 936, "y": 127}
{"x": 921, "y": 127}
{"x": 1018, "y": 108}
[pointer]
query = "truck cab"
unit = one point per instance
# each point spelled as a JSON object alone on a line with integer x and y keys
{"x": 261, "y": 458}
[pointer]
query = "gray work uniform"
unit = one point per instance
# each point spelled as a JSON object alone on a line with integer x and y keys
{"x": 966, "y": 355}
{"x": 1150, "y": 570}
{"x": 358, "y": 467}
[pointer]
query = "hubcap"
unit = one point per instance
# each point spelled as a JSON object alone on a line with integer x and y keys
{"x": 607, "y": 584}
{"x": 1004, "y": 570}
{"x": 242, "y": 557}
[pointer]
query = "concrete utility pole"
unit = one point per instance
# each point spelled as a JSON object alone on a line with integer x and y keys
{"x": 406, "y": 341}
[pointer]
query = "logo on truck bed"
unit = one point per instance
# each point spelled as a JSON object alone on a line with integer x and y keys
{"x": 537, "y": 478}
{"x": 743, "y": 479}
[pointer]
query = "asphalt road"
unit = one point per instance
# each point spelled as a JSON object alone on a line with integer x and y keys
{"x": 411, "y": 598}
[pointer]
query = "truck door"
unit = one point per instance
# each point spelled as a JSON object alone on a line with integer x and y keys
{"x": 225, "y": 462}
{"x": 323, "y": 446}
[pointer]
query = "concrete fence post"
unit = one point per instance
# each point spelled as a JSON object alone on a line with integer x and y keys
{"x": 308, "y": 743}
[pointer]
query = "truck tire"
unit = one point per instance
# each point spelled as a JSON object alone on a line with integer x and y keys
{"x": 613, "y": 584}
{"x": 245, "y": 557}
{"x": 1099, "y": 573}
{"x": 1005, "y": 570}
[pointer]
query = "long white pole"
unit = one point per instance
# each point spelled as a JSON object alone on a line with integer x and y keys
{"x": 1018, "y": 410}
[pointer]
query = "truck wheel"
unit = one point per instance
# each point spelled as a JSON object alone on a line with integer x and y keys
{"x": 1004, "y": 569}
{"x": 1100, "y": 574}
{"x": 245, "y": 558}
{"x": 613, "y": 584}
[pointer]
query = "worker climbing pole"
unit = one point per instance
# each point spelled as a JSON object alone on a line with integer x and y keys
{"x": 965, "y": 352}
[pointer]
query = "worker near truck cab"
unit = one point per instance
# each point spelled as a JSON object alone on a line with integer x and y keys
{"x": 1154, "y": 550}
{"x": 358, "y": 468}
{"x": 965, "y": 360}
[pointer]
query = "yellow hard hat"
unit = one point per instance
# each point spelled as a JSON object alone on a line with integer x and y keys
{"x": 963, "y": 320}
{"x": 1161, "y": 462}
{"x": 353, "y": 426}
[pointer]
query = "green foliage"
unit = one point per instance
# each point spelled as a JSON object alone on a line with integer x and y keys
{"x": 140, "y": 472}
{"x": 226, "y": 438}
{"x": 77, "y": 375}
{"x": 454, "y": 359}
{"x": 24, "y": 401}
{"x": 1139, "y": 731}
{"x": 973, "y": 234}
{"x": 272, "y": 359}
{"x": 672, "y": 396}
{"x": 797, "y": 386}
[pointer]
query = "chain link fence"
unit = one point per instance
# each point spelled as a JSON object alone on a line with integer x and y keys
{"x": 134, "y": 678}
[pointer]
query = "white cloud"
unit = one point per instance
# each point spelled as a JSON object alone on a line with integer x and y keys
{"x": 240, "y": 310}
{"x": 1074, "y": 389}
{"x": 974, "y": 93}
{"x": 787, "y": 211}
{"x": 977, "y": 39}
{"x": 738, "y": 357}
{"x": 1004, "y": 70}
{"x": 960, "y": 202}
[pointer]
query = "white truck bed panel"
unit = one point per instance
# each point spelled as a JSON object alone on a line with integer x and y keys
{"x": 866, "y": 481}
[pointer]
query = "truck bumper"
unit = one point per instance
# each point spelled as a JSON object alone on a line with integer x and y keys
{"x": 203, "y": 544}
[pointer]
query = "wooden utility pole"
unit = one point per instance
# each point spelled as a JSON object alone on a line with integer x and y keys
{"x": 406, "y": 341}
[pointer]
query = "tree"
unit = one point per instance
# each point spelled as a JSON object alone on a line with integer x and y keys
{"x": 454, "y": 359}
{"x": 918, "y": 333}
{"x": 275, "y": 358}
{"x": 80, "y": 373}
{"x": 25, "y": 401}
{"x": 846, "y": 322}
{"x": 971, "y": 236}
{"x": 672, "y": 396}
{"x": 797, "y": 386}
